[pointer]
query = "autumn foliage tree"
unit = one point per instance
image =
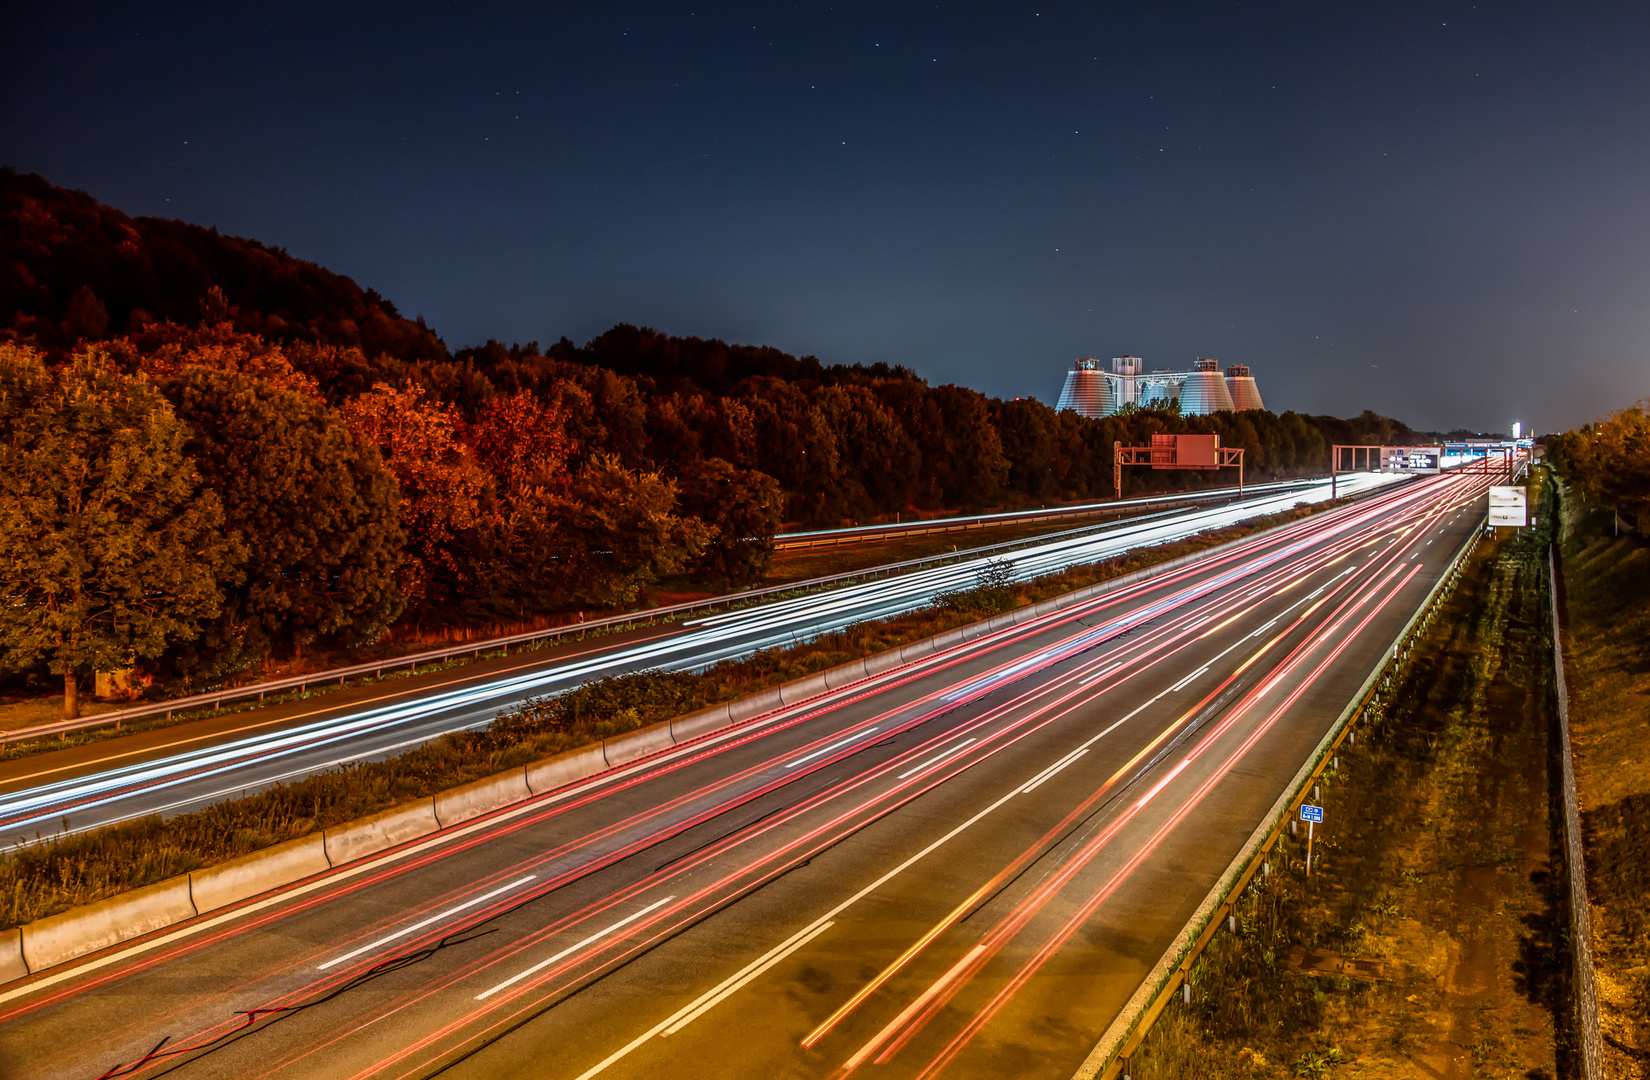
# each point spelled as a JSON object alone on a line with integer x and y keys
{"x": 440, "y": 485}
{"x": 1609, "y": 461}
{"x": 110, "y": 547}
{"x": 318, "y": 516}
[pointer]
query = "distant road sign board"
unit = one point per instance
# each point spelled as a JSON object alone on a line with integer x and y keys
{"x": 1312, "y": 813}
{"x": 1509, "y": 506}
{"x": 1412, "y": 459}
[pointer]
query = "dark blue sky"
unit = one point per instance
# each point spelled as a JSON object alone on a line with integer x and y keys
{"x": 1437, "y": 210}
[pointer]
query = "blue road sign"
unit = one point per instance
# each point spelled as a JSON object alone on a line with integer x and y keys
{"x": 1312, "y": 813}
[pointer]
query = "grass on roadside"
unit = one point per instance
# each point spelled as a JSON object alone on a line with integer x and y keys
{"x": 1435, "y": 860}
{"x": 45, "y": 875}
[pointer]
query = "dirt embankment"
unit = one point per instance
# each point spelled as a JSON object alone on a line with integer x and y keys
{"x": 1607, "y": 596}
{"x": 1429, "y": 941}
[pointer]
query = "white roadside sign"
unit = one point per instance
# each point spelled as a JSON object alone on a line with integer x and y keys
{"x": 1509, "y": 506}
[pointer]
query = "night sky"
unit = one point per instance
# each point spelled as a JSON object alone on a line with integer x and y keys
{"x": 1440, "y": 211}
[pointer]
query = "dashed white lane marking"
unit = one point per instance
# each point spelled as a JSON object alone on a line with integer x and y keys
{"x": 404, "y": 931}
{"x": 571, "y": 949}
{"x": 834, "y": 746}
{"x": 941, "y": 756}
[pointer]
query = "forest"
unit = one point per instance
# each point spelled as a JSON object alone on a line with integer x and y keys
{"x": 212, "y": 452}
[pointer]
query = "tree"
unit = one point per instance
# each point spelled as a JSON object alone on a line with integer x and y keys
{"x": 440, "y": 485}
{"x": 1610, "y": 460}
{"x": 743, "y": 508}
{"x": 318, "y": 515}
{"x": 109, "y": 548}
{"x": 617, "y": 530}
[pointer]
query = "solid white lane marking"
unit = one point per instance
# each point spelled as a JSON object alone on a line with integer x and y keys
{"x": 1053, "y": 770}
{"x": 404, "y": 931}
{"x": 936, "y": 759}
{"x": 834, "y": 746}
{"x": 751, "y": 971}
{"x": 1188, "y": 678}
{"x": 571, "y": 949}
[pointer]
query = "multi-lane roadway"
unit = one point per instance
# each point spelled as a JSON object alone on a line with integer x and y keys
{"x": 961, "y": 868}
{"x": 190, "y": 765}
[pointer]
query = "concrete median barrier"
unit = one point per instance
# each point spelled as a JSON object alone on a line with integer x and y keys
{"x": 883, "y": 661}
{"x": 623, "y": 749}
{"x": 473, "y": 800}
{"x": 565, "y": 768}
{"x": 845, "y": 674}
{"x": 798, "y": 690}
{"x": 52, "y": 941}
{"x": 916, "y": 650}
{"x": 763, "y": 701}
{"x": 12, "y": 965}
{"x": 703, "y": 722}
{"x": 381, "y": 831}
{"x": 249, "y": 875}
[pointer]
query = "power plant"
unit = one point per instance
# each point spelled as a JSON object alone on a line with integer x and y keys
{"x": 1095, "y": 392}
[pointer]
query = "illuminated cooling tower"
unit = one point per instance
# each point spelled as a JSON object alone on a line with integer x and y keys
{"x": 1204, "y": 391}
{"x": 1241, "y": 385}
{"x": 1088, "y": 390}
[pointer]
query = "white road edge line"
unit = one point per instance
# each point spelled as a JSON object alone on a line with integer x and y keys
{"x": 936, "y": 759}
{"x": 737, "y": 982}
{"x": 1053, "y": 770}
{"x": 593, "y": 938}
{"x": 1190, "y": 677}
{"x": 404, "y": 931}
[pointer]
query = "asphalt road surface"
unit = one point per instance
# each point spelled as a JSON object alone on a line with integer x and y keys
{"x": 962, "y": 868}
{"x": 187, "y": 766}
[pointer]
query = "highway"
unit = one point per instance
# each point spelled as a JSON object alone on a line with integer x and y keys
{"x": 193, "y": 764}
{"x": 961, "y": 868}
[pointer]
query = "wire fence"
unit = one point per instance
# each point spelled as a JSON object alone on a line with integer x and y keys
{"x": 1581, "y": 931}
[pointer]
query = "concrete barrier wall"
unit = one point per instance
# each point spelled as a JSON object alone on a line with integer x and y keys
{"x": 703, "y": 722}
{"x": 53, "y": 940}
{"x": 370, "y": 835}
{"x": 883, "y": 661}
{"x": 565, "y": 768}
{"x": 844, "y": 674}
{"x": 917, "y": 650}
{"x": 623, "y": 749}
{"x": 230, "y": 882}
{"x": 798, "y": 690}
{"x": 12, "y": 964}
{"x": 763, "y": 701}
{"x": 473, "y": 800}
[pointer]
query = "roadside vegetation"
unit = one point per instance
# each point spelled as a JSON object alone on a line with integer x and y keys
{"x": 1607, "y": 594}
{"x": 1437, "y": 873}
{"x": 44, "y": 875}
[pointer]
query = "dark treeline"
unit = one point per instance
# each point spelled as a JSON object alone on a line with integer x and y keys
{"x": 314, "y": 468}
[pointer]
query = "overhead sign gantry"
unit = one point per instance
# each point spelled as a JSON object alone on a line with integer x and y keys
{"x": 1176, "y": 452}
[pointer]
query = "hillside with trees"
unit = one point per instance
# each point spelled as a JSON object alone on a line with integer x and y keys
{"x": 311, "y": 468}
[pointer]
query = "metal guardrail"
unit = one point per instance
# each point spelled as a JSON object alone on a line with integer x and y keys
{"x": 865, "y": 534}
{"x": 215, "y": 699}
{"x": 1581, "y": 931}
{"x": 1111, "y": 1057}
